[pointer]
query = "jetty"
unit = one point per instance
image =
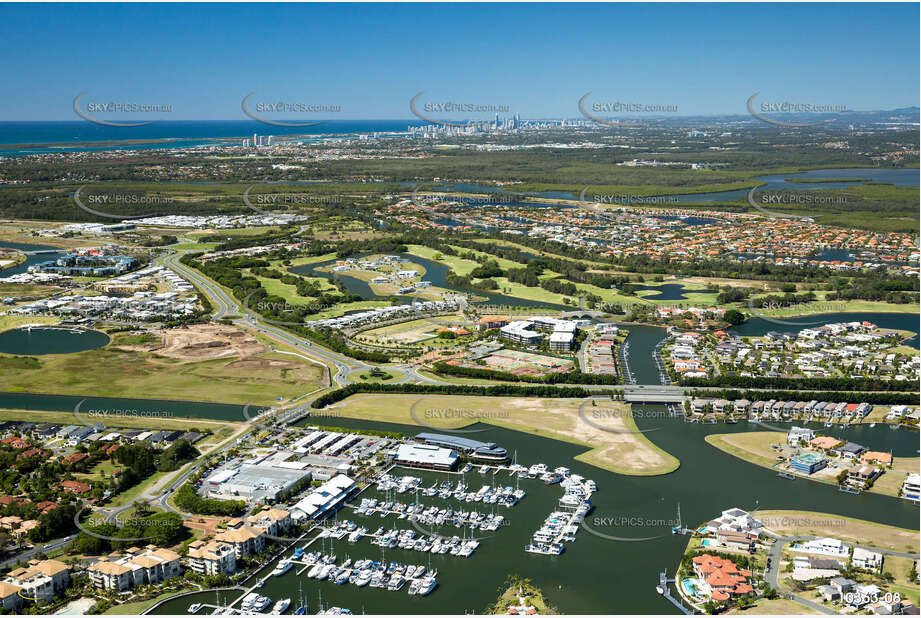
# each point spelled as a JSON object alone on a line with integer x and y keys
{"x": 662, "y": 589}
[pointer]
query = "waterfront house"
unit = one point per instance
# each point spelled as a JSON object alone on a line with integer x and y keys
{"x": 808, "y": 463}
{"x": 824, "y": 546}
{"x": 860, "y": 475}
{"x": 911, "y": 487}
{"x": 825, "y": 443}
{"x": 720, "y": 578}
{"x": 737, "y": 521}
{"x": 735, "y": 541}
{"x": 884, "y": 459}
{"x": 850, "y": 450}
{"x": 799, "y": 434}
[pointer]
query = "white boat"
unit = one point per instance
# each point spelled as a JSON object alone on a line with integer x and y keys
{"x": 249, "y": 602}
{"x": 414, "y": 586}
{"x": 364, "y": 578}
{"x": 282, "y": 567}
{"x": 194, "y": 607}
{"x": 315, "y": 570}
{"x": 396, "y": 582}
{"x": 660, "y": 589}
{"x": 428, "y": 584}
{"x": 281, "y": 606}
{"x": 261, "y": 603}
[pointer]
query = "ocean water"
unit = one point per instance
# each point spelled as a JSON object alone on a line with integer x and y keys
{"x": 73, "y": 135}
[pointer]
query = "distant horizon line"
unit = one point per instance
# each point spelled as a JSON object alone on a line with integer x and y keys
{"x": 424, "y": 122}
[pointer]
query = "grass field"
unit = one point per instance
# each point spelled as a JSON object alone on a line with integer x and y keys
{"x": 792, "y": 523}
{"x": 392, "y": 376}
{"x": 753, "y": 446}
{"x": 12, "y": 321}
{"x": 835, "y": 306}
{"x": 624, "y": 453}
{"x": 776, "y": 607}
{"x": 139, "y": 606}
{"x": 119, "y": 372}
{"x": 900, "y": 568}
{"x": 407, "y": 333}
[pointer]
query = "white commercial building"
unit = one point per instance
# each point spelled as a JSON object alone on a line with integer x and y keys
{"x": 426, "y": 456}
{"x": 324, "y": 499}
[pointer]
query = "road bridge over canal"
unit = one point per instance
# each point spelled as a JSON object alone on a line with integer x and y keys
{"x": 653, "y": 393}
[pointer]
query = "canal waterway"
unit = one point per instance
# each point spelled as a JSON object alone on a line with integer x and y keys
{"x": 30, "y": 259}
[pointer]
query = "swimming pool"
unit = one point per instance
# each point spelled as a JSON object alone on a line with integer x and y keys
{"x": 689, "y": 586}
{"x": 706, "y": 543}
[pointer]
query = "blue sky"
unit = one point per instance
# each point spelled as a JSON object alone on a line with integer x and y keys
{"x": 538, "y": 59}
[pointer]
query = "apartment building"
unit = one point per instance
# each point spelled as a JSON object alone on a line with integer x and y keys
{"x": 41, "y": 580}
{"x": 212, "y": 558}
{"x": 245, "y": 540}
{"x": 136, "y": 567}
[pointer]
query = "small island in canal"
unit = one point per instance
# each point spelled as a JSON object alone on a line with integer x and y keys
{"x": 520, "y": 597}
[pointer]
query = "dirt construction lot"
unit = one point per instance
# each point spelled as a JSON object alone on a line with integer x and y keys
{"x": 203, "y": 342}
